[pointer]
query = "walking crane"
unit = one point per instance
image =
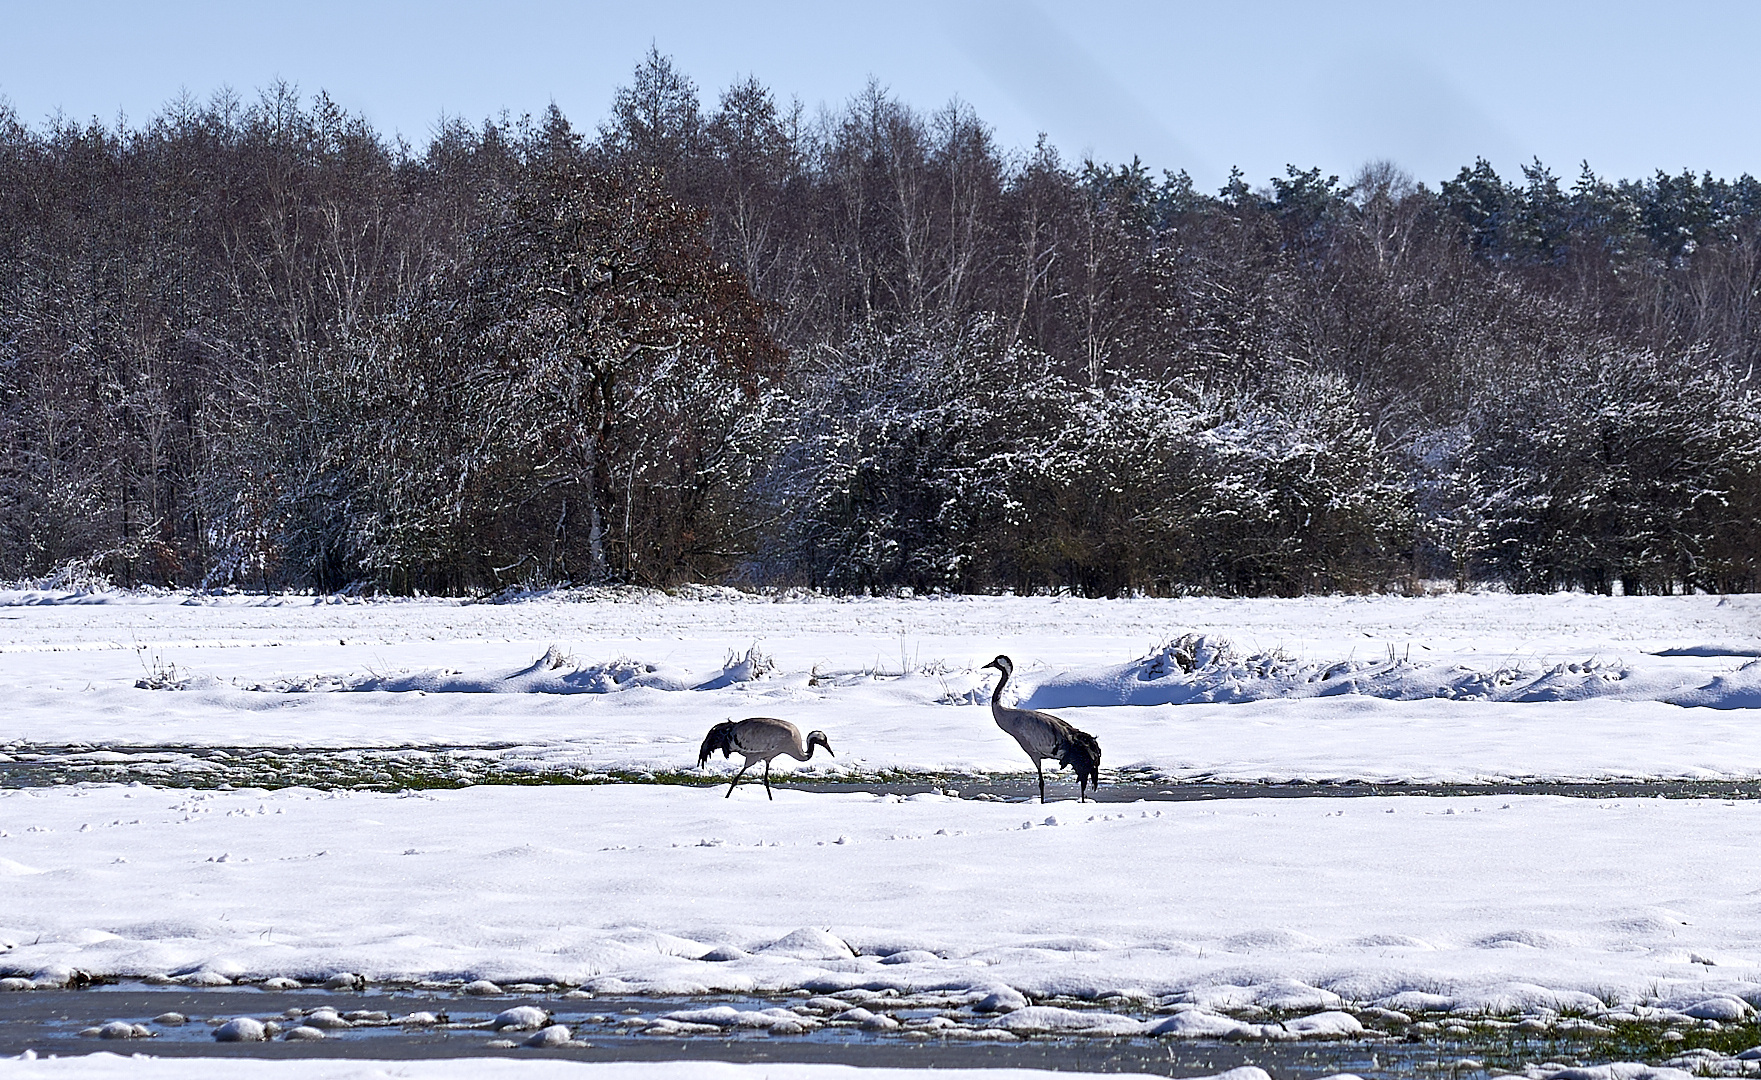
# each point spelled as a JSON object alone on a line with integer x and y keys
{"x": 759, "y": 738}
{"x": 1043, "y": 736}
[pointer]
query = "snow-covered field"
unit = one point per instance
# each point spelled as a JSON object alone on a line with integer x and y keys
{"x": 1513, "y": 903}
{"x": 1205, "y": 910}
{"x": 1443, "y": 689}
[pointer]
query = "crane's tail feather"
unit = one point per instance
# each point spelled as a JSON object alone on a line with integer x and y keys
{"x": 1079, "y": 750}
{"x": 720, "y": 737}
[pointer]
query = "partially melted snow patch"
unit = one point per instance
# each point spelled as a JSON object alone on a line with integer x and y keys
{"x": 1505, "y": 999}
{"x": 554, "y": 1035}
{"x": 1327, "y": 1025}
{"x": 775, "y": 1021}
{"x": 1001, "y": 1000}
{"x": 1047, "y": 1019}
{"x": 1283, "y": 995}
{"x": 1203, "y": 1024}
{"x": 521, "y": 1018}
{"x": 1621, "y": 1070}
{"x": 1722, "y": 1009}
{"x": 241, "y": 1029}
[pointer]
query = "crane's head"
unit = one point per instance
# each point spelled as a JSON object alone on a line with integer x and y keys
{"x": 817, "y": 738}
{"x": 1004, "y": 665}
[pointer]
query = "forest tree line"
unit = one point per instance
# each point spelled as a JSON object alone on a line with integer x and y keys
{"x": 260, "y": 344}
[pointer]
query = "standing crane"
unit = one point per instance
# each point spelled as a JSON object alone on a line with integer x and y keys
{"x": 1043, "y": 735}
{"x": 759, "y": 738}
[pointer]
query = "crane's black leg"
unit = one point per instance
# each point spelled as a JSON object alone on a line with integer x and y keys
{"x": 1040, "y": 768}
{"x": 767, "y": 793}
{"x": 736, "y": 779}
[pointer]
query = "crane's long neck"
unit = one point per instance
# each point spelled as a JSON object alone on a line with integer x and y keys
{"x": 800, "y": 754}
{"x": 997, "y": 694}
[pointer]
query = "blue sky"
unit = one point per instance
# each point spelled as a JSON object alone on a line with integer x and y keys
{"x": 1202, "y": 86}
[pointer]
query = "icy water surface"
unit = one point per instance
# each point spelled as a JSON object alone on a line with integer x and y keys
{"x": 51, "y": 1022}
{"x": 407, "y": 768}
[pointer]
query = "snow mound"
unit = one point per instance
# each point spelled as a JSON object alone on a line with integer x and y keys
{"x": 556, "y": 672}
{"x": 809, "y": 943}
{"x": 737, "y": 668}
{"x": 911, "y": 956}
{"x": 1288, "y": 995}
{"x": 1203, "y": 669}
{"x": 1740, "y": 689}
{"x": 1192, "y": 668}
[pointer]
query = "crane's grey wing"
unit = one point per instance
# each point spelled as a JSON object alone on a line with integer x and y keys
{"x": 1037, "y": 732}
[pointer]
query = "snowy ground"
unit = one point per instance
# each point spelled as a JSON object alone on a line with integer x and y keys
{"x": 1445, "y": 689}
{"x": 1211, "y": 912}
{"x": 1504, "y": 903}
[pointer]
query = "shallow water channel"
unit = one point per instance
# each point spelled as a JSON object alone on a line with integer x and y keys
{"x": 402, "y": 768}
{"x": 51, "y": 1022}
